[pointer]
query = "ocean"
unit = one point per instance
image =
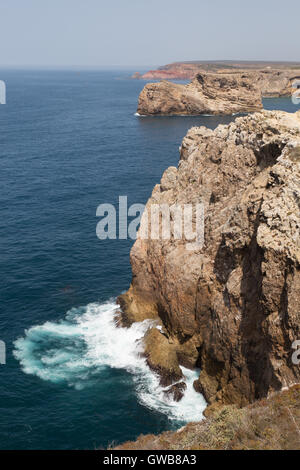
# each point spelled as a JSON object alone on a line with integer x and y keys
{"x": 70, "y": 141}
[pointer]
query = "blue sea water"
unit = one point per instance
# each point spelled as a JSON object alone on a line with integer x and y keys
{"x": 69, "y": 141}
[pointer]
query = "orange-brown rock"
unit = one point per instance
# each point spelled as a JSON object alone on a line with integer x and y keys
{"x": 136, "y": 308}
{"x": 232, "y": 307}
{"x": 161, "y": 357}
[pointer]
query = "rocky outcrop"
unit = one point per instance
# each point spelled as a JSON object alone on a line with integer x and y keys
{"x": 216, "y": 93}
{"x": 206, "y": 94}
{"x": 176, "y": 391}
{"x": 232, "y": 307}
{"x": 162, "y": 357}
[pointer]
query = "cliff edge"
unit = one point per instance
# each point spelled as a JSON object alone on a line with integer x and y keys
{"x": 271, "y": 424}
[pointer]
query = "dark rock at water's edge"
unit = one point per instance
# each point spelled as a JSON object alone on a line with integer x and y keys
{"x": 176, "y": 391}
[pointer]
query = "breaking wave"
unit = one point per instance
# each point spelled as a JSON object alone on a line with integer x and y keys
{"x": 78, "y": 349}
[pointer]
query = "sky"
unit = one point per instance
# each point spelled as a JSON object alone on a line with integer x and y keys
{"x": 144, "y": 33}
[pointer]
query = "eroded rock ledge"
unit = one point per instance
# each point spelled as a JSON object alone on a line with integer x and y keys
{"x": 232, "y": 308}
{"x": 221, "y": 93}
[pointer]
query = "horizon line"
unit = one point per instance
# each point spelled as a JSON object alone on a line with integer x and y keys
{"x": 130, "y": 66}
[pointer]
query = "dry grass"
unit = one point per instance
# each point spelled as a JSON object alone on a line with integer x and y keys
{"x": 272, "y": 423}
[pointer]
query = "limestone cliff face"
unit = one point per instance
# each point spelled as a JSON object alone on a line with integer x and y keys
{"x": 177, "y": 71}
{"x": 215, "y": 93}
{"x": 231, "y": 308}
{"x": 208, "y": 93}
{"x": 276, "y": 83}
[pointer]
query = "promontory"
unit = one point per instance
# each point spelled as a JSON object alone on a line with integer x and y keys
{"x": 222, "y": 92}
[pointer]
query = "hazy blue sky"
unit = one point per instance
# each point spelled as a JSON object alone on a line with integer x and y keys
{"x": 146, "y": 32}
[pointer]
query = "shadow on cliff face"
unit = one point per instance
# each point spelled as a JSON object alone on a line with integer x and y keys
{"x": 256, "y": 343}
{"x": 256, "y": 346}
{"x": 249, "y": 372}
{"x": 259, "y": 356}
{"x": 268, "y": 154}
{"x": 284, "y": 304}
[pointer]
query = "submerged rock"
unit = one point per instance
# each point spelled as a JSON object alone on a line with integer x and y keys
{"x": 176, "y": 391}
{"x": 232, "y": 307}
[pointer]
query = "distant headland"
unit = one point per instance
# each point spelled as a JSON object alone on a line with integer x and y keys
{"x": 216, "y": 87}
{"x": 188, "y": 70}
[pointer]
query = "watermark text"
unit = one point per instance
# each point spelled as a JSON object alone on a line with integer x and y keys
{"x": 154, "y": 222}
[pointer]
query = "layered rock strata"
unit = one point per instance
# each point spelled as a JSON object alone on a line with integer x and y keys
{"x": 216, "y": 93}
{"x": 207, "y": 94}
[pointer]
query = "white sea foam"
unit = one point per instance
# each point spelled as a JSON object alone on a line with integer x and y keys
{"x": 79, "y": 348}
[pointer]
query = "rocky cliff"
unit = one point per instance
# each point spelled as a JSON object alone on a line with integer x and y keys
{"x": 232, "y": 307}
{"x": 216, "y": 93}
{"x": 208, "y": 93}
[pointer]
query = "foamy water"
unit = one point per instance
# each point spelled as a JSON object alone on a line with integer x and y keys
{"x": 76, "y": 349}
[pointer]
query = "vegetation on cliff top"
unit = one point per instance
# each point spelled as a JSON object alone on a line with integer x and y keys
{"x": 267, "y": 424}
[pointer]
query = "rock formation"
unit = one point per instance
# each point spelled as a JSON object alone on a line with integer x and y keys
{"x": 275, "y": 83}
{"x": 176, "y": 391}
{"x": 216, "y": 93}
{"x": 232, "y": 307}
{"x": 162, "y": 357}
{"x": 207, "y": 94}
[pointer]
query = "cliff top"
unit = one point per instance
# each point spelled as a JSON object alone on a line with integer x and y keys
{"x": 265, "y": 425}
